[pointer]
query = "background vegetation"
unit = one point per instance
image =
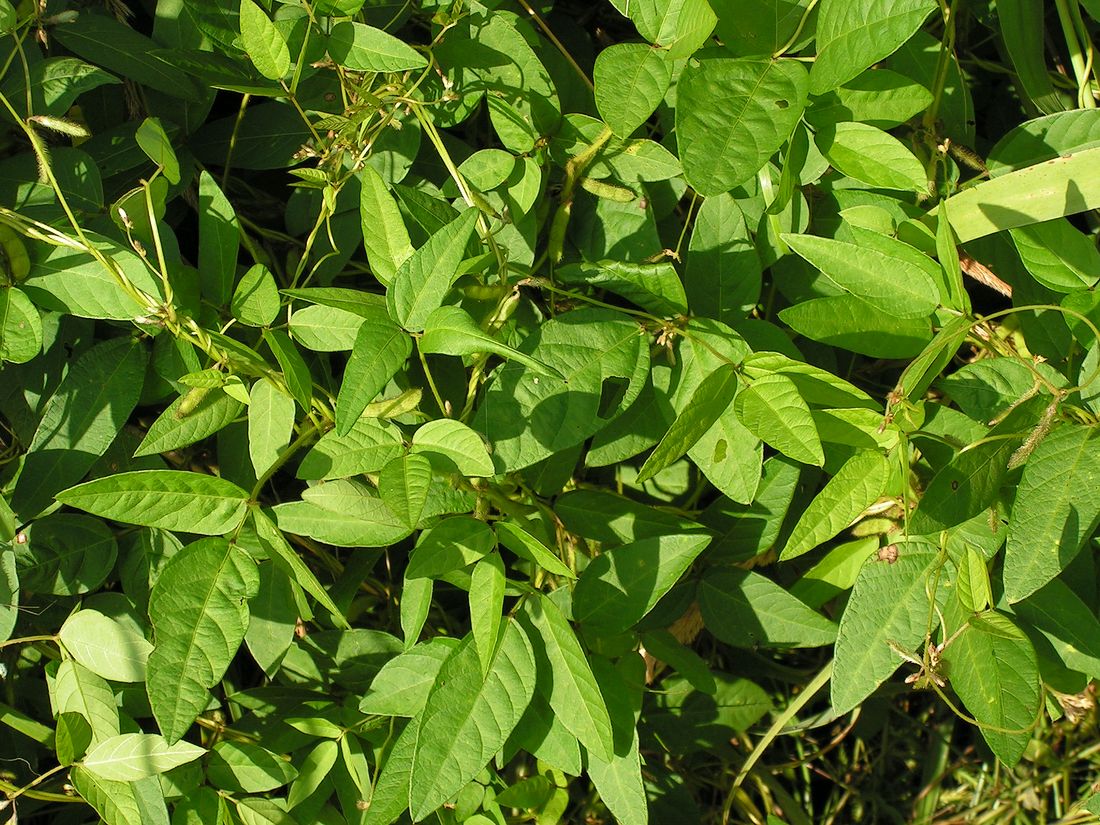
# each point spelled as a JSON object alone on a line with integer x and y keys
{"x": 652, "y": 410}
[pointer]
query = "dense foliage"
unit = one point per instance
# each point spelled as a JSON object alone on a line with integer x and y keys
{"x": 653, "y": 411}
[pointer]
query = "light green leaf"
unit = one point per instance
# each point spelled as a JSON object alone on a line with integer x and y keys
{"x": 527, "y": 417}
{"x": 723, "y": 273}
{"x": 870, "y": 155}
{"x": 379, "y": 351}
{"x": 746, "y": 609}
{"x": 325, "y": 329}
{"x": 178, "y": 426}
{"x": 721, "y": 147}
{"x": 889, "y": 603}
{"x": 416, "y": 601}
{"x": 263, "y": 42}
{"x": 467, "y": 718}
{"x": 854, "y": 35}
{"x": 526, "y": 546}
{"x": 631, "y": 80}
{"x": 487, "y": 582}
{"x": 256, "y": 299}
{"x": 80, "y": 421}
{"x": 402, "y": 685}
{"x": 835, "y": 573}
{"x": 451, "y": 331}
{"x": 710, "y": 400}
{"x": 621, "y": 586}
{"x": 1055, "y": 511}
{"x": 994, "y": 671}
{"x": 1058, "y": 255}
{"x": 368, "y": 447}
{"x": 107, "y": 647}
{"x": 313, "y": 771}
{"x": 619, "y": 780}
{"x": 199, "y": 611}
{"x": 851, "y": 323}
{"x": 385, "y": 238}
{"x": 247, "y": 768}
{"x": 452, "y": 544}
{"x": 972, "y": 582}
{"x": 421, "y": 283}
{"x": 390, "y": 795}
{"x": 20, "y": 326}
{"x": 854, "y": 488}
{"x": 403, "y": 485}
{"x": 679, "y": 26}
{"x": 1061, "y": 186}
{"x": 772, "y": 409}
{"x": 655, "y": 287}
{"x": 886, "y": 277}
{"x": 364, "y": 48}
{"x": 877, "y": 96}
{"x": 270, "y": 424}
{"x": 219, "y": 241}
{"x": 76, "y": 689}
{"x": 167, "y": 498}
{"x": 150, "y": 136}
{"x": 131, "y": 756}
{"x": 574, "y": 695}
{"x": 452, "y": 447}
{"x": 817, "y": 386}
{"x": 343, "y": 513}
{"x": 122, "y": 803}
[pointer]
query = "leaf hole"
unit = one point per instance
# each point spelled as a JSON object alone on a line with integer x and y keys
{"x": 720, "y": 450}
{"x": 782, "y": 104}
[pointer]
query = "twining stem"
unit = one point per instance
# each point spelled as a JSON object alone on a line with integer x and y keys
{"x": 1077, "y": 58}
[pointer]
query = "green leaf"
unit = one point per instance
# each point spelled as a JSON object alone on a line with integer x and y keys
{"x": 247, "y": 768}
{"x": 1021, "y": 25}
{"x": 854, "y": 35}
{"x": 574, "y": 695}
{"x": 295, "y": 371}
{"x": 885, "y": 277}
{"x": 1055, "y": 511}
{"x": 76, "y": 689}
{"x": 122, "y": 803}
{"x": 270, "y": 424}
{"x": 994, "y": 671}
{"x": 106, "y": 42}
{"x": 655, "y": 287}
{"x": 423, "y": 281}
{"x": 450, "y": 330}
{"x": 679, "y": 26}
{"x": 256, "y": 299}
{"x": 619, "y": 780}
{"x": 363, "y": 48}
{"x": 870, "y": 155}
{"x": 219, "y": 242}
{"x": 972, "y": 583}
{"x": 1058, "y": 255}
{"x": 178, "y": 426}
{"x": 709, "y": 401}
{"x": 199, "y": 612}
{"x": 889, "y": 603}
{"x": 721, "y": 147}
{"x": 772, "y": 409}
{"x": 68, "y": 554}
{"x": 1057, "y": 187}
{"x": 325, "y": 329}
{"x": 663, "y": 646}
{"x": 402, "y": 685}
{"x": 403, "y": 485}
{"x": 854, "y": 488}
{"x": 380, "y": 350}
{"x": 385, "y": 238}
{"x": 613, "y": 520}
{"x": 878, "y": 96}
{"x": 263, "y": 42}
{"x": 631, "y": 80}
{"x": 80, "y": 421}
{"x": 150, "y": 136}
{"x": 851, "y": 323}
{"x": 342, "y": 513}
{"x": 368, "y": 447}
{"x": 746, "y": 609}
{"x": 1068, "y": 623}
{"x": 526, "y": 546}
{"x": 723, "y": 272}
{"x": 527, "y": 417}
{"x": 621, "y": 586}
{"x": 313, "y": 771}
{"x": 467, "y": 718}
{"x": 390, "y": 795}
{"x": 20, "y": 327}
{"x": 487, "y": 583}
{"x": 131, "y": 756}
{"x": 452, "y": 447}
{"x": 107, "y": 647}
